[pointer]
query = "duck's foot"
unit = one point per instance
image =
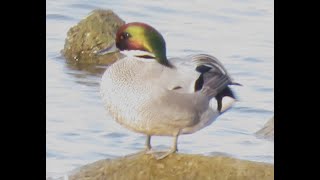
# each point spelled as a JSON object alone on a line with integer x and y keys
{"x": 171, "y": 151}
{"x": 150, "y": 151}
{"x": 146, "y": 150}
{"x": 162, "y": 155}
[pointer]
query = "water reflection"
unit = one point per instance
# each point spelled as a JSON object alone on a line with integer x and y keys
{"x": 83, "y": 70}
{"x": 89, "y": 74}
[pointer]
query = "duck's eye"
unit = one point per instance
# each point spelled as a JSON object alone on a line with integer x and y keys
{"x": 125, "y": 35}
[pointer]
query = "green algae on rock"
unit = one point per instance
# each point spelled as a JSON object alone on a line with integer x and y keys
{"x": 93, "y": 33}
{"x": 142, "y": 166}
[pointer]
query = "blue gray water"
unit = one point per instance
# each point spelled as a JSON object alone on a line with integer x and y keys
{"x": 238, "y": 32}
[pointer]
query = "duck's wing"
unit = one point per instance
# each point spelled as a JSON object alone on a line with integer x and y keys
{"x": 214, "y": 78}
{"x": 202, "y": 73}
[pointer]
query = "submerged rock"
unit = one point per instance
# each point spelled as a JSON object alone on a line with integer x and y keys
{"x": 93, "y": 33}
{"x": 267, "y": 131}
{"x": 177, "y": 166}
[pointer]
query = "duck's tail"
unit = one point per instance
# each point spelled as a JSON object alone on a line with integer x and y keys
{"x": 214, "y": 81}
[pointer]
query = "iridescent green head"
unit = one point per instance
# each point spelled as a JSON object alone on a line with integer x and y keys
{"x": 142, "y": 37}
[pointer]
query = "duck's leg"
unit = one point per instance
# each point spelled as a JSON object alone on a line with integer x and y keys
{"x": 147, "y": 149}
{"x": 148, "y": 144}
{"x": 173, "y": 149}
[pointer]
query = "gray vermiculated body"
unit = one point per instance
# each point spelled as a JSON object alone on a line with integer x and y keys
{"x": 139, "y": 96}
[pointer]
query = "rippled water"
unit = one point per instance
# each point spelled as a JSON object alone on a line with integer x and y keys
{"x": 238, "y": 32}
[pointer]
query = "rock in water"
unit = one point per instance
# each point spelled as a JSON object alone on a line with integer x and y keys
{"x": 267, "y": 131}
{"x": 93, "y": 33}
{"x": 177, "y": 166}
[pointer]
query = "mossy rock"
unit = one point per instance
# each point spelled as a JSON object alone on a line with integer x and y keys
{"x": 95, "y": 32}
{"x": 142, "y": 166}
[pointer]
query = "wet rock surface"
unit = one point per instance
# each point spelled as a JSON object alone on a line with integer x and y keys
{"x": 142, "y": 166}
{"x": 267, "y": 131}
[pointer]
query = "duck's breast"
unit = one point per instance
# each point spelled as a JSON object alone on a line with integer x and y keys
{"x": 126, "y": 86}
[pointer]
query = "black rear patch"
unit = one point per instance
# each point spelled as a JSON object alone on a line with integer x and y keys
{"x": 226, "y": 92}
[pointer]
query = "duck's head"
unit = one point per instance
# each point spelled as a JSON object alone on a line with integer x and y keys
{"x": 140, "y": 40}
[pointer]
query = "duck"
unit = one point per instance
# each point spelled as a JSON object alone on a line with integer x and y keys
{"x": 148, "y": 93}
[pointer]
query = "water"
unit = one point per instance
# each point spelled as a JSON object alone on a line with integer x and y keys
{"x": 238, "y": 32}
